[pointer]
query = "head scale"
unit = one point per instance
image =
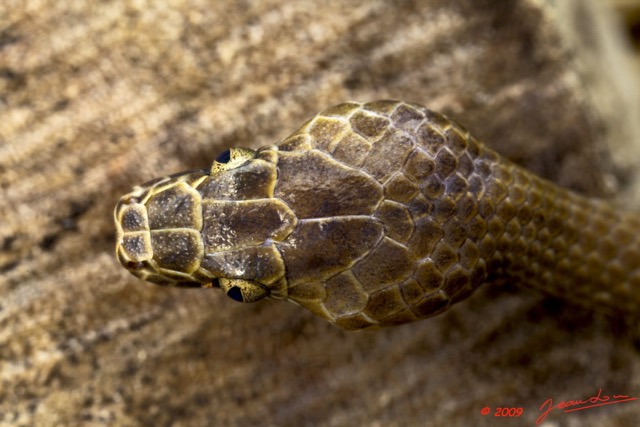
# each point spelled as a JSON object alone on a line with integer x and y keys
{"x": 203, "y": 228}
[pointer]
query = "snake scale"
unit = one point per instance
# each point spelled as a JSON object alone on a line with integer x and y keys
{"x": 377, "y": 214}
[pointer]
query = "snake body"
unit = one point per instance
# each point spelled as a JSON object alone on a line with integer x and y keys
{"x": 377, "y": 214}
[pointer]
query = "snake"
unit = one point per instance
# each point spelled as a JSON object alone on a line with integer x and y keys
{"x": 377, "y": 214}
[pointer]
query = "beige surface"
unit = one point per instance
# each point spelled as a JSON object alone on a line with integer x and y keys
{"x": 98, "y": 96}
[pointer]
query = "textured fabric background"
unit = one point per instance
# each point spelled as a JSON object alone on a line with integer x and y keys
{"x": 96, "y": 96}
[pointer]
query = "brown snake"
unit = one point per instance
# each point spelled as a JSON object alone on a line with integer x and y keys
{"x": 377, "y": 214}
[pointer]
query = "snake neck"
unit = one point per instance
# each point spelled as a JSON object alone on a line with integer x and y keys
{"x": 576, "y": 248}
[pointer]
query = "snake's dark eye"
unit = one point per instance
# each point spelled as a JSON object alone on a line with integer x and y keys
{"x": 224, "y": 157}
{"x": 235, "y": 294}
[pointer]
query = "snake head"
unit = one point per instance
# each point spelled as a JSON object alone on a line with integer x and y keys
{"x": 215, "y": 228}
{"x": 367, "y": 216}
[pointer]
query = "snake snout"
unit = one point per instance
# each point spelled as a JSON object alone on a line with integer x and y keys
{"x": 158, "y": 232}
{"x": 133, "y": 237}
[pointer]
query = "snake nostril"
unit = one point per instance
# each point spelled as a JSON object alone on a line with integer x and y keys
{"x": 133, "y": 265}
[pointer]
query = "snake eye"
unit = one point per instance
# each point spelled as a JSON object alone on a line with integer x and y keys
{"x": 224, "y": 157}
{"x": 231, "y": 159}
{"x": 235, "y": 294}
{"x": 243, "y": 290}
